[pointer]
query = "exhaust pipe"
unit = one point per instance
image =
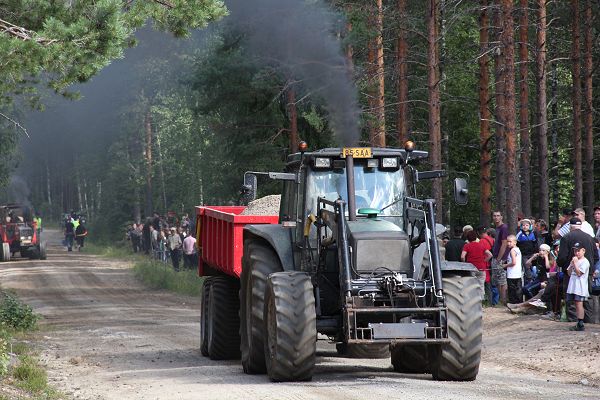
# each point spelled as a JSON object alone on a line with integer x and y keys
{"x": 351, "y": 190}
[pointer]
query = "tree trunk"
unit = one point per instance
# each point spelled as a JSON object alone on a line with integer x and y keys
{"x": 524, "y": 110}
{"x": 512, "y": 171}
{"x": 163, "y": 183}
{"x": 85, "y": 198}
{"x": 588, "y": 123}
{"x": 542, "y": 114}
{"x": 554, "y": 138}
{"x": 576, "y": 136}
{"x": 293, "y": 116}
{"x": 48, "y": 186}
{"x": 433, "y": 88}
{"x": 500, "y": 111}
{"x": 349, "y": 52}
{"x": 377, "y": 78}
{"x": 402, "y": 70}
{"x": 148, "y": 155}
{"x": 484, "y": 118}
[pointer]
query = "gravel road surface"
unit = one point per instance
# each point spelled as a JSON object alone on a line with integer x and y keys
{"x": 104, "y": 336}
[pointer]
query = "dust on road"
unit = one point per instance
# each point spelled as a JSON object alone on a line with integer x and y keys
{"x": 104, "y": 336}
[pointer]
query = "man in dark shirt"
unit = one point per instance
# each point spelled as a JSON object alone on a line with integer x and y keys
{"x": 455, "y": 245}
{"x": 69, "y": 234}
{"x": 565, "y": 255}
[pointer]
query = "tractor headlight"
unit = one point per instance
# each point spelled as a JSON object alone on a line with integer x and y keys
{"x": 372, "y": 163}
{"x": 389, "y": 162}
{"x": 322, "y": 162}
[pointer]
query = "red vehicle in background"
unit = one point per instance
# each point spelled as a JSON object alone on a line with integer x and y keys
{"x": 19, "y": 233}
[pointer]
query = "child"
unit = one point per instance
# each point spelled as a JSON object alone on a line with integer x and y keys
{"x": 514, "y": 272}
{"x": 577, "y": 290}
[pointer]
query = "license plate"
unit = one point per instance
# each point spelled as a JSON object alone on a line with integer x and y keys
{"x": 357, "y": 152}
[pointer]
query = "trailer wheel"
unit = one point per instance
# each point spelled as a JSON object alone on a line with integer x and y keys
{"x": 223, "y": 321}
{"x": 5, "y": 252}
{"x": 258, "y": 263}
{"x": 291, "y": 325}
{"x": 363, "y": 350}
{"x": 204, "y": 316}
{"x": 459, "y": 359}
{"x": 42, "y": 251}
{"x": 411, "y": 359}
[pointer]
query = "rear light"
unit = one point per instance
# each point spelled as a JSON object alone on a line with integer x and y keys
{"x": 372, "y": 163}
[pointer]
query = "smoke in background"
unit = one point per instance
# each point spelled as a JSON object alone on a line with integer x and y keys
{"x": 17, "y": 192}
{"x": 298, "y": 36}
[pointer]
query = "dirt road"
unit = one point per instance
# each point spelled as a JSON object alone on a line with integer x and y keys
{"x": 104, "y": 336}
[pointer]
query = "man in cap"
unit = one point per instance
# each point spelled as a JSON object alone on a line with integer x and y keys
{"x": 566, "y": 254}
{"x": 578, "y": 213}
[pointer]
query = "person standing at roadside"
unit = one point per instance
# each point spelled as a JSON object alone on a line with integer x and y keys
{"x": 69, "y": 234}
{"x": 514, "y": 271}
{"x": 455, "y": 245}
{"x": 80, "y": 234}
{"x": 500, "y": 254}
{"x": 476, "y": 253}
{"x": 578, "y": 213}
{"x": 597, "y": 221}
{"x": 577, "y": 291}
{"x": 189, "y": 251}
{"x": 174, "y": 244}
{"x": 566, "y": 254}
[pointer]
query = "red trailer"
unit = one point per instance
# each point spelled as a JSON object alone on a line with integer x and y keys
{"x": 219, "y": 234}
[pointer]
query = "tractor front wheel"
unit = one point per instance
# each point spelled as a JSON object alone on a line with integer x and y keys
{"x": 459, "y": 359}
{"x": 291, "y": 325}
{"x": 5, "y": 252}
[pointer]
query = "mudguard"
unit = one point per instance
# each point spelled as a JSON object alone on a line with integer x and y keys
{"x": 278, "y": 237}
{"x": 456, "y": 266}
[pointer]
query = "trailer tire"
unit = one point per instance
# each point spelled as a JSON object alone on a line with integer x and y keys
{"x": 223, "y": 321}
{"x": 42, "y": 251}
{"x": 204, "y": 316}
{"x": 459, "y": 359}
{"x": 291, "y": 325}
{"x": 363, "y": 350}
{"x": 258, "y": 263}
{"x": 5, "y": 252}
{"x": 410, "y": 359}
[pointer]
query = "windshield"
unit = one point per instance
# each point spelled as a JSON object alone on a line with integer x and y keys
{"x": 375, "y": 188}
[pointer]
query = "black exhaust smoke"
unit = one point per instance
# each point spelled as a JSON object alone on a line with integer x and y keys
{"x": 298, "y": 36}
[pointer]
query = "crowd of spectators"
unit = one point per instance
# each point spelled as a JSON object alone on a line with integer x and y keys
{"x": 166, "y": 238}
{"x": 535, "y": 268}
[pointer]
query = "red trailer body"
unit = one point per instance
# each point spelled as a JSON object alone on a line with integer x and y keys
{"x": 220, "y": 238}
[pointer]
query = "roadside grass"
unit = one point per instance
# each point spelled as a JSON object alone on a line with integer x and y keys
{"x": 20, "y": 371}
{"x": 159, "y": 275}
{"x": 112, "y": 251}
{"x": 152, "y": 273}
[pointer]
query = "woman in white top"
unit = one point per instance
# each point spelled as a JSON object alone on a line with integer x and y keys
{"x": 514, "y": 271}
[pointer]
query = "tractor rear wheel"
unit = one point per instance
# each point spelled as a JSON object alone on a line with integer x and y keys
{"x": 223, "y": 321}
{"x": 291, "y": 324}
{"x": 410, "y": 359}
{"x": 459, "y": 359}
{"x": 5, "y": 252}
{"x": 204, "y": 316}
{"x": 363, "y": 350}
{"x": 258, "y": 263}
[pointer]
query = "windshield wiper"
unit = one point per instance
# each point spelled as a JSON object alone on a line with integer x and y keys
{"x": 396, "y": 200}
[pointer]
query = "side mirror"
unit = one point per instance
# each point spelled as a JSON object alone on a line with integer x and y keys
{"x": 461, "y": 191}
{"x": 249, "y": 188}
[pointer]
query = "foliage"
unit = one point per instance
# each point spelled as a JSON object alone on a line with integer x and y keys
{"x": 4, "y": 356}
{"x": 158, "y": 275}
{"x": 16, "y": 314}
{"x": 30, "y": 376}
